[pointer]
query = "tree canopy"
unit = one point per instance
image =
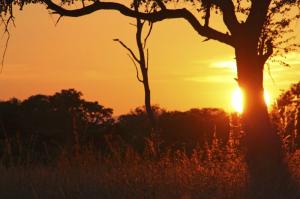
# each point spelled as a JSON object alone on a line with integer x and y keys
{"x": 45, "y": 122}
{"x": 269, "y": 20}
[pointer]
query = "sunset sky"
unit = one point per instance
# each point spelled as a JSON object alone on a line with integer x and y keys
{"x": 80, "y": 53}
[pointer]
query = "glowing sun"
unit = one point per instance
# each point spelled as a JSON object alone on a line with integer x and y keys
{"x": 237, "y": 100}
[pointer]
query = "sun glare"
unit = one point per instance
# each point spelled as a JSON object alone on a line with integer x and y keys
{"x": 267, "y": 98}
{"x": 237, "y": 100}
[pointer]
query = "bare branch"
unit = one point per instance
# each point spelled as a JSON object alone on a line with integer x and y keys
{"x": 136, "y": 68}
{"x": 148, "y": 34}
{"x": 5, "y": 50}
{"x": 147, "y": 63}
{"x": 270, "y": 74}
{"x": 207, "y": 5}
{"x": 57, "y": 21}
{"x": 128, "y": 49}
{"x": 6, "y": 24}
{"x": 229, "y": 17}
{"x": 153, "y": 17}
{"x": 132, "y": 24}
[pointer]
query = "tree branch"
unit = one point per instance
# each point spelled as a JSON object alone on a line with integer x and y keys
{"x": 207, "y": 6}
{"x": 153, "y": 17}
{"x": 229, "y": 17}
{"x": 147, "y": 63}
{"x": 58, "y": 20}
{"x": 137, "y": 70}
{"x": 128, "y": 49}
{"x": 148, "y": 34}
{"x": 6, "y": 24}
{"x": 269, "y": 52}
{"x": 161, "y": 4}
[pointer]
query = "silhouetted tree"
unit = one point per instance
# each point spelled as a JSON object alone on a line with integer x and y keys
{"x": 134, "y": 127}
{"x": 194, "y": 127}
{"x": 142, "y": 60}
{"x": 9, "y": 117}
{"x": 46, "y": 124}
{"x": 177, "y": 130}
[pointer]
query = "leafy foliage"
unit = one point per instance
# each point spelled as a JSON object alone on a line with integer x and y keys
{"x": 286, "y": 116}
{"x": 176, "y": 130}
{"x": 46, "y": 123}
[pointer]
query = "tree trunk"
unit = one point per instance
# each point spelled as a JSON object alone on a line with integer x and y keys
{"x": 262, "y": 141}
{"x": 148, "y": 102}
{"x": 144, "y": 69}
{"x": 264, "y": 155}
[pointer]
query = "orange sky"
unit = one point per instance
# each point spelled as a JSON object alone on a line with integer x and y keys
{"x": 79, "y": 53}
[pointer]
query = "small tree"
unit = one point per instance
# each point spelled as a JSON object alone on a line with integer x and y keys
{"x": 43, "y": 124}
{"x": 142, "y": 60}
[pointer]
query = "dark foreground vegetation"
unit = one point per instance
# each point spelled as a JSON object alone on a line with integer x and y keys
{"x": 40, "y": 126}
{"x": 127, "y": 174}
{"x": 62, "y": 146}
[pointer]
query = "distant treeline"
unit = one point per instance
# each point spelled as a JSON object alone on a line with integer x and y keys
{"x": 42, "y": 126}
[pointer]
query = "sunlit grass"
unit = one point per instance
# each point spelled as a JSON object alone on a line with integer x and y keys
{"x": 206, "y": 173}
{"x": 212, "y": 173}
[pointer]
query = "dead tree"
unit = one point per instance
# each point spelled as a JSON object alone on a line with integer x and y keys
{"x": 142, "y": 60}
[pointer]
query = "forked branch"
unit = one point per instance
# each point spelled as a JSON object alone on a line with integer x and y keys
{"x": 132, "y": 57}
{"x": 136, "y": 69}
{"x": 6, "y": 23}
{"x": 153, "y": 17}
{"x": 148, "y": 34}
{"x": 128, "y": 49}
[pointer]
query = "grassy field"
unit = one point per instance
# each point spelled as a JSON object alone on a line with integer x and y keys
{"x": 210, "y": 173}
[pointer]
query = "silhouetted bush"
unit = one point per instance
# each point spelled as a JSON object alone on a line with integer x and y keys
{"x": 286, "y": 116}
{"x": 176, "y": 129}
{"x": 194, "y": 127}
{"x": 135, "y": 126}
{"x": 41, "y": 125}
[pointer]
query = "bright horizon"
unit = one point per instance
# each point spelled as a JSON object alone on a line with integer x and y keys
{"x": 79, "y": 53}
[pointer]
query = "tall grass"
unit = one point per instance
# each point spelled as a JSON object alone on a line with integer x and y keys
{"x": 216, "y": 172}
